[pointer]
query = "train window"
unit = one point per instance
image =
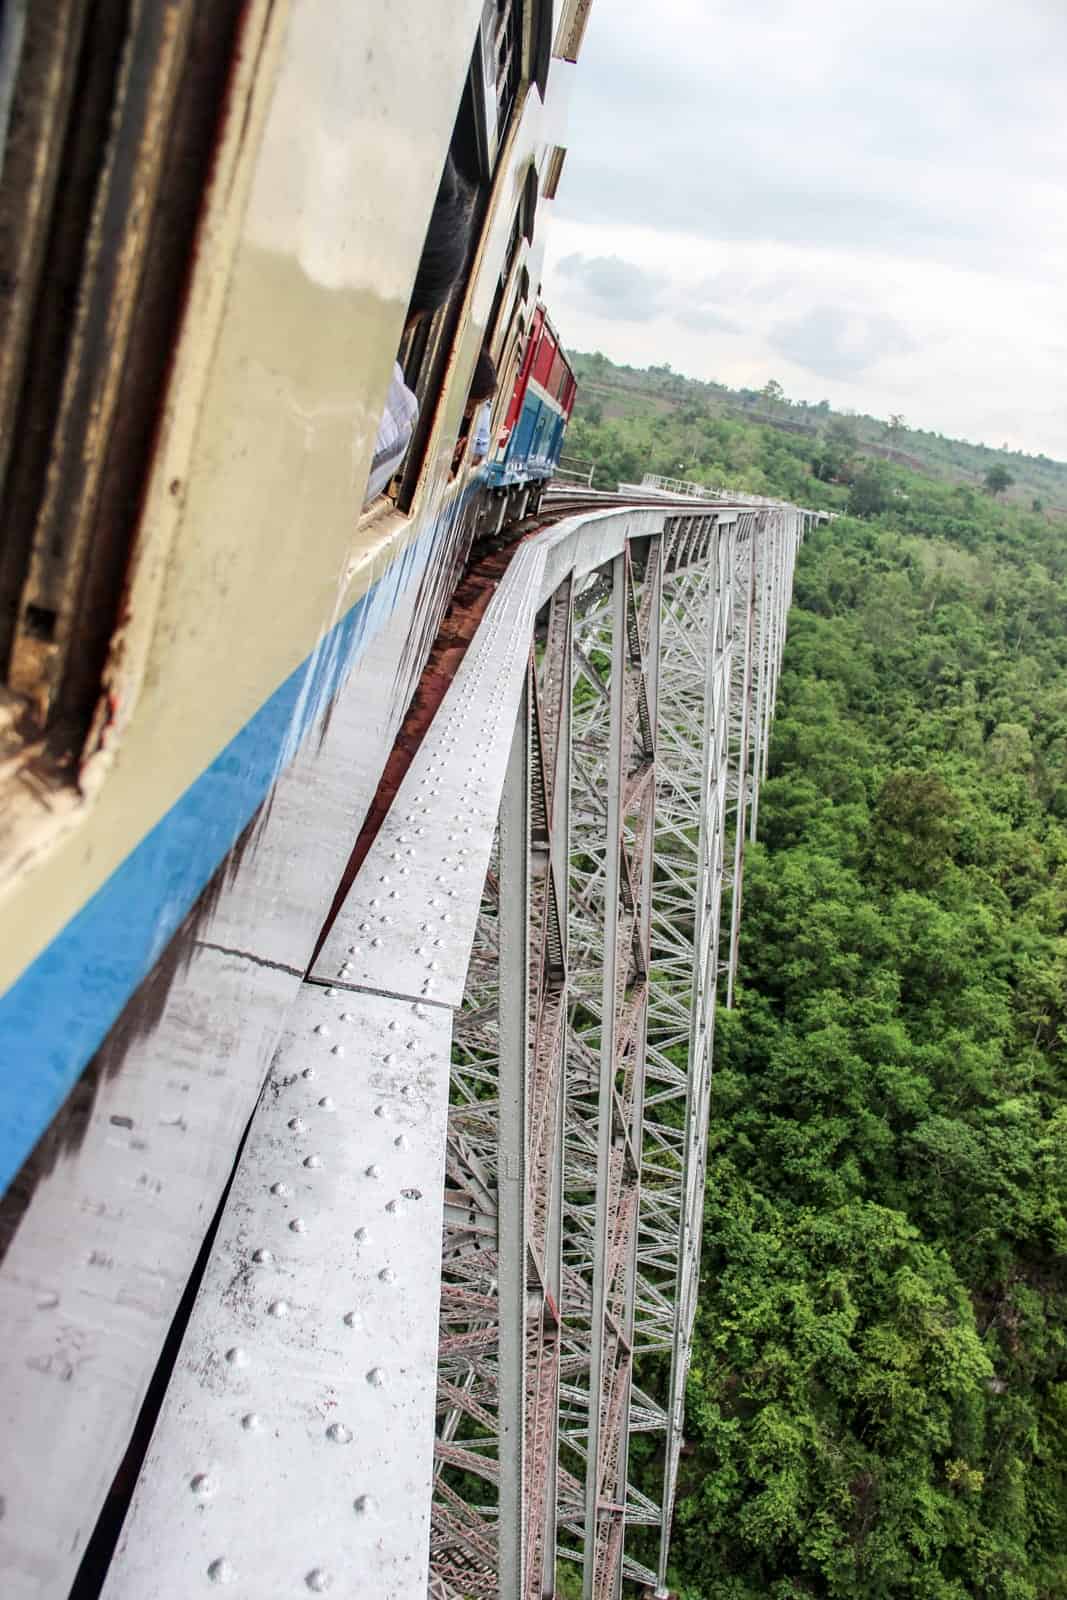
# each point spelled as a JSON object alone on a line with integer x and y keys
{"x": 496, "y": 73}
{"x": 489, "y": 101}
{"x": 542, "y": 366}
{"x": 112, "y": 129}
{"x": 425, "y": 349}
{"x": 528, "y": 206}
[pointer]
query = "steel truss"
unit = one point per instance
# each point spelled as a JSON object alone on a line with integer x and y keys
{"x": 582, "y": 1055}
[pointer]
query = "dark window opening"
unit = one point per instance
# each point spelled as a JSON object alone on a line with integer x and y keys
{"x": 100, "y": 204}
{"x": 489, "y": 98}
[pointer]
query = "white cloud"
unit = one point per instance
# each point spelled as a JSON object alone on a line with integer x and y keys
{"x": 869, "y": 203}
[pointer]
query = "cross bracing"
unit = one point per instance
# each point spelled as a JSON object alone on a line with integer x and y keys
{"x": 583, "y": 1051}
{"x": 505, "y": 1043}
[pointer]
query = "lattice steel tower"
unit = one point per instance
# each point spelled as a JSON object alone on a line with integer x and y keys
{"x": 505, "y": 1043}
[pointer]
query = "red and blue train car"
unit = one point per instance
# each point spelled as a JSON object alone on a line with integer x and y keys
{"x": 530, "y": 439}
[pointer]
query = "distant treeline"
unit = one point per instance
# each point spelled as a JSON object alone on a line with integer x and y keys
{"x": 610, "y": 392}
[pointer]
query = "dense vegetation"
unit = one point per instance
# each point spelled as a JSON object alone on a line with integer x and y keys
{"x": 878, "y": 1398}
{"x": 631, "y": 421}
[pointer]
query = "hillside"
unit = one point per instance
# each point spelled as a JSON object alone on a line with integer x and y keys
{"x": 695, "y": 425}
{"x": 877, "y": 1405}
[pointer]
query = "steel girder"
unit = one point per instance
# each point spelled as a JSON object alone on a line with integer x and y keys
{"x": 582, "y": 1055}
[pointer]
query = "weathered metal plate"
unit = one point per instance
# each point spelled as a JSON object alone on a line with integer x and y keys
{"x": 294, "y": 1450}
{"x": 101, "y": 1254}
{"x": 408, "y": 923}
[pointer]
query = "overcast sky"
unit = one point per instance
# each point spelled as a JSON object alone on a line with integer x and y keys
{"x": 864, "y": 200}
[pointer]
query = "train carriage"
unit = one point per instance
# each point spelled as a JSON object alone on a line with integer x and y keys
{"x": 213, "y": 217}
{"x": 531, "y": 436}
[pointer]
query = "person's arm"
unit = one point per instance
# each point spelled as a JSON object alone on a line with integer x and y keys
{"x": 394, "y": 435}
{"x": 480, "y": 438}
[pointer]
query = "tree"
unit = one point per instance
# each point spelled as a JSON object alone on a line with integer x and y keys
{"x": 897, "y": 424}
{"x": 773, "y": 392}
{"x": 868, "y": 495}
{"x": 997, "y": 479}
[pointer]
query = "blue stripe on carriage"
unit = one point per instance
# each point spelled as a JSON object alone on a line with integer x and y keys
{"x": 54, "y": 1017}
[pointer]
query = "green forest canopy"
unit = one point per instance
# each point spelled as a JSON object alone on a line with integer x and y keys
{"x": 877, "y": 1405}
{"x": 658, "y": 421}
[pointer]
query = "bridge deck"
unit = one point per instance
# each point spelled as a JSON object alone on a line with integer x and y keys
{"x": 317, "y": 1434}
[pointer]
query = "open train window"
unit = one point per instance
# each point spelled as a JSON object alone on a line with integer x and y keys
{"x": 490, "y": 97}
{"x": 112, "y": 127}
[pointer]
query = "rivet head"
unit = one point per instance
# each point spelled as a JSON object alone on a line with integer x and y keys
{"x": 364, "y": 1504}
{"x": 280, "y": 1189}
{"x": 353, "y": 1319}
{"x": 376, "y": 942}
{"x": 326, "y": 1103}
{"x": 237, "y": 1357}
{"x": 202, "y": 1484}
{"x": 374, "y": 1170}
{"x": 361, "y": 1235}
{"x": 395, "y": 1209}
{"x": 262, "y": 1258}
{"x": 384, "y": 1112}
{"x": 221, "y": 1571}
{"x": 401, "y": 1141}
{"x": 309, "y": 1074}
{"x": 251, "y": 1422}
{"x": 347, "y": 1016}
{"x": 387, "y": 1275}
{"x": 321, "y": 1028}
{"x": 376, "y": 1377}
{"x": 337, "y": 1433}
{"x": 318, "y": 1580}
{"x": 313, "y": 1161}
{"x": 298, "y": 1225}
{"x": 337, "y": 1050}
{"x": 297, "y": 1124}
{"x": 279, "y": 1308}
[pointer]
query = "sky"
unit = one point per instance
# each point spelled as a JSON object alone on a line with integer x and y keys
{"x": 865, "y": 201}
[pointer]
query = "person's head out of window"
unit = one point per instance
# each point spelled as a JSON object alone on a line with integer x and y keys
{"x": 444, "y": 255}
{"x": 484, "y": 382}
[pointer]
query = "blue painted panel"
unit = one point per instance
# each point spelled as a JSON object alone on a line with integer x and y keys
{"x": 55, "y": 1016}
{"x": 534, "y": 446}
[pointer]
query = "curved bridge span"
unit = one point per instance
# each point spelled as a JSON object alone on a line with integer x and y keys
{"x": 458, "y": 1266}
